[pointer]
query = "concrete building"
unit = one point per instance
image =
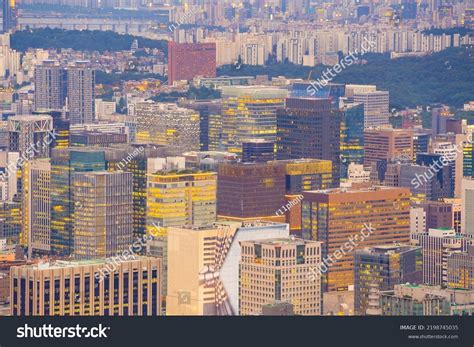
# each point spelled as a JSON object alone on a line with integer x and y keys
{"x": 351, "y": 219}
{"x": 276, "y": 269}
{"x": 50, "y": 86}
{"x": 37, "y": 206}
{"x": 387, "y": 144}
{"x": 383, "y": 267}
{"x": 167, "y": 125}
{"x": 81, "y": 92}
{"x": 376, "y": 107}
{"x": 437, "y": 245}
{"x": 467, "y": 212}
{"x": 424, "y": 300}
{"x": 130, "y": 287}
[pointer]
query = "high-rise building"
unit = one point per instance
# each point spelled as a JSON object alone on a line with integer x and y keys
{"x": 417, "y": 220}
{"x": 439, "y": 117}
{"x": 249, "y": 113}
{"x": 467, "y": 213}
{"x": 376, "y": 107}
{"x": 36, "y": 226}
{"x": 352, "y": 136}
{"x": 81, "y": 92}
{"x": 206, "y": 109}
{"x": 30, "y": 135}
{"x": 332, "y": 91}
{"x": 179, "y": 197}
{"x": 64, "y": 164}
{"x": 167, "y": 125}
{"x": 10, "y": 217}
{"x": 258, "y": 151}
{"x": 103, "y": 212}
{"x": 276, "y": 269}
{"x": 134, "y": 159}
{"x": 424, "y": 300}
{"x": 348, "y": 219}
{"x": 438, "y": 215}
{"x": 8, "y": 175}
{"x": 456, "y": 208}
{"x": 203, "y": 265}
{"x": 421, "y": 143}
{"x": 189, "y": 60}
{"x": 61, "y": 127}
{"x": 387, "y": 144}
{"x": 437, "y": 244}
{"x": 50, "y": 86}
{"x": 130, "y": 287}
{"x": 9, "y": 15}
{"x": 250, "y": 190}
{"x": 384, "y": 267}
{"x": 460, "y": 269}
{"x": 270, "y": 191}
{"x": 310, "y": 128}
{"x": 427, "y": 181}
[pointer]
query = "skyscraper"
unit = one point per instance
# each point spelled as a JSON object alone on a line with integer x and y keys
{"x": 384, "y": 267}
{"x": 31, "y": 136}
{"x": 37, "y": 207}
{"x": 179, "y": 197}
{"x": 376, "y": 107}
{"x": 64, "y": 164}
{"x": 168, "y": 125}
{"x": 276, "y": 270}
{"x": 269, "y": 191}
{"x": 352, "y": 136}
{"x": 50, "y": 86}
{"x": 81, "y": 92}
{"x": 103, "y": 214}
{"x": 206, "y": 108}
{"x": 348, "y": 219}
{"x": 467, "y": 212}
{"x": 249, "y": 113}
{"x": 258, "y": 151}
{"x": 386, "y": 144}
{"x": 437, "y": 244}
{"x": 9, "y": 16}
{"x": 310, "y": 128}
{"x": 188, "y": 60}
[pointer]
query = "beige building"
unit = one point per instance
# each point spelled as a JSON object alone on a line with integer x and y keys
{"x": 387, "y": 143}
{"x": 37, "y": 207}
{"x": 277, "y": 270}
{"x": 203, "y": 265}
{"x": 87, "y": 288}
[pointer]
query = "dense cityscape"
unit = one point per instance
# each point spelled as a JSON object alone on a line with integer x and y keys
{"x": 237, "y": 158}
